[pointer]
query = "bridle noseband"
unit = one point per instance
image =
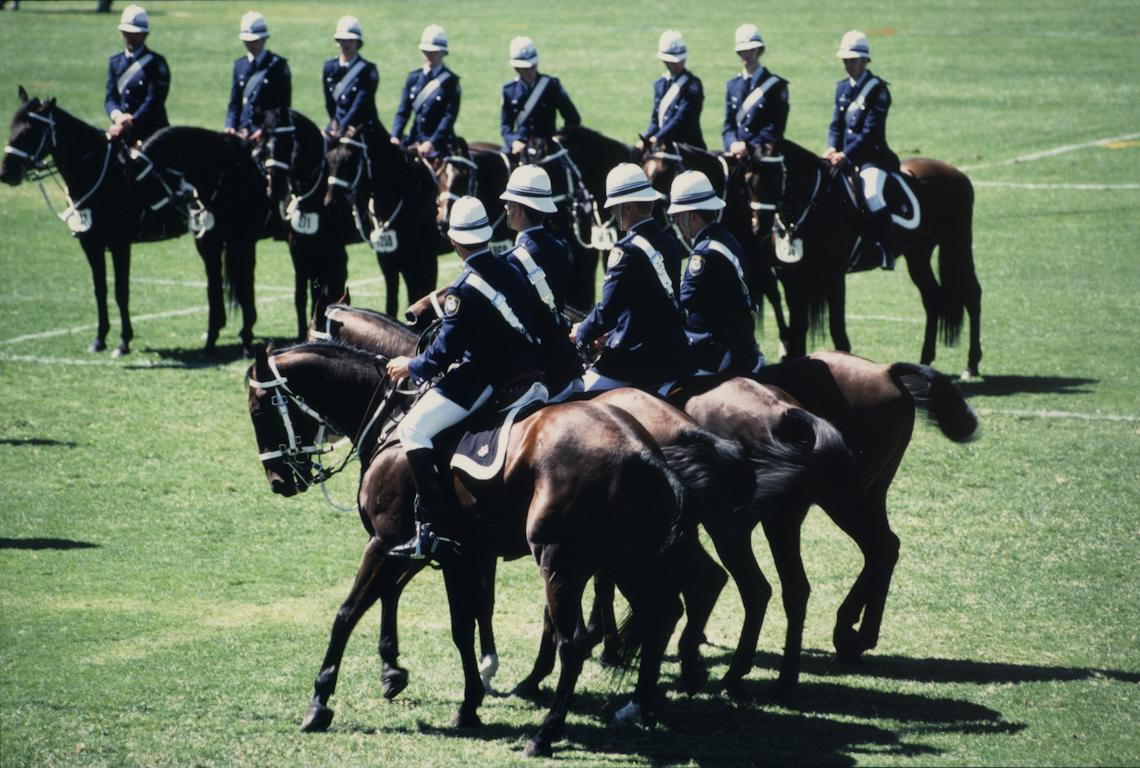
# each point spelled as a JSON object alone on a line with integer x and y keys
{"x": 48, "y": 142}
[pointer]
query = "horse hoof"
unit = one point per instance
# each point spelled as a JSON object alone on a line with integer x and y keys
{"x": 466, "y": 720}
{"x": 527, "y": 689}
{"x": 694, "y": 675}
{"x": 317, "y": 719}
{"x": 97, "y": 346}
{"x": 630, "y": 714}
{"x": 780, "y": 691}
{"x": 393, "y": 681}
{"x": 610, "y": 659}
{"x": 247, "y": 351}
{"x": 488, "y": 668}
{"x": 120, "y": 350}
{"x": 846, "y": 642}
{"x": 538, "y": 748}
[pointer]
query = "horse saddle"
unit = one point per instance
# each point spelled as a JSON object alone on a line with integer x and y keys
{"x": 900, "y": 197}
{"x": 477, "y": 446}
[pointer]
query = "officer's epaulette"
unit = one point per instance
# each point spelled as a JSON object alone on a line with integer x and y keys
{"x": 615, "y": 257}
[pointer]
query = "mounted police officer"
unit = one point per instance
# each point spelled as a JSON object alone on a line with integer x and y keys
{"x": 261, "y": 80}
{"x": 350, "y": 82}
{"x": 431, "y": 99}
{"x": 677, "y": 98}
{"x": 858, "y": 139}
{"x": 755, "y": 101}
{"x": 138, "y": 81}
{"x": 638, "y": 316}
{"x": 545, "y": 262}
{"x": 714, "y": 291}
{"x": 485, "y": 343}
{"x": 531, "y": 100}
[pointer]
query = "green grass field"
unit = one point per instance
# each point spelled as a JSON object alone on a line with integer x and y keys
{"x": 159, "y": 606}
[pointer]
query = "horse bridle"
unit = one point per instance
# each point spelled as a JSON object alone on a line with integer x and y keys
{"x": 472, "y": 184}
{"x": 48, "y": 142}
{"x": 782, "y": 214}
{"x": 351, "y": 188}
{"x": 295, "y": 198}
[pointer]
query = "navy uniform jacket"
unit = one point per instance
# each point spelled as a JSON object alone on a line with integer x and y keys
{"x": 540, "y": 121}
{"x": 557, "y": 356}
{"x": 475, "y": 335}
{"x": 356, "y": 106}
{"x": 434, "y": 121}
{"x": 683, "y": 116}
{"x": 270, "y": 90}
{"x": 144, "y": 97}
{"x": 765, "y": 120}
{"x": 647, "y": 343}
{"x": 717, "y": 303}
{"x": 859, "y": 130}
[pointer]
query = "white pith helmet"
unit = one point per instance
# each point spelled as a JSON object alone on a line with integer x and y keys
{"x": 671, "y": 46}
{"x": 434, "y": 38}
{"x": 529, "y": 185}
{"x": 348, "y": 28}
{"x": 253, "y": 27}
{"x": 854, "y": 45}
{"x": 523, "y": 53}
{"x": 692, "y": 191}
{"x": 469, "y": 224}
{"x": 134, "y": 19}
{"x": 627, "y": 183}
{"x": 748, "y": 37}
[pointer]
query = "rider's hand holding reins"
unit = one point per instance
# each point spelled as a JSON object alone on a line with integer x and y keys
{"x": 517, "y": 147}
{"x": 398, "y": 368}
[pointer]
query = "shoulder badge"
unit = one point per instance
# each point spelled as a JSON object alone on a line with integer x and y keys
{"x": 696, "y": 264}
{"x": 451, "y": 305}
{"x": 694, "y": 87}
{"x": 884, "y": 97}
{"x": 616, "y": 255}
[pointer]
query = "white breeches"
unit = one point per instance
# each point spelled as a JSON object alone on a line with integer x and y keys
{"x": 596, "y": 382}
{"x": 432, "y": 414}
{"x": 874, "y": 180}
{"x": 575, "y": 385}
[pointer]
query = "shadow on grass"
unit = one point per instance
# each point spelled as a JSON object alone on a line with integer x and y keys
{"x": 1003, "y": 386}
{"x": 223, "y": 354}
{"x": 37, "y": 441}
{"x": 932, "y": 670}
{"x": 37, "y": 543}
{"x": 716, "y": 731}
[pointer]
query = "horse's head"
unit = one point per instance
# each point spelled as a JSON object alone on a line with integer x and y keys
{"x": 347, "y": 165}
{"x": 457, "y": 176}
{"x": 661, "y": 164}
{"x": 537, "y": 148}
{"x": 289, "y": 433}
{"x": 765, "y": 179}
{"x": 31, "y": 139}
{"x": 276, "y": 150}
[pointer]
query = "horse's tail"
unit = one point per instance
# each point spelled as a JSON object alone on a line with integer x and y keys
{"x": 806, "y": 452}
{"x": 937, "y": 395}
{"x": 956, "y": 272}
{"x": 715, "y": 473}
{"x": 237, "y": 270}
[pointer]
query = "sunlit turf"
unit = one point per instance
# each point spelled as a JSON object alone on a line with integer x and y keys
{"x": 177, "y": 611}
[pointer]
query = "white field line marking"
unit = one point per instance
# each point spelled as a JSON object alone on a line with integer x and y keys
{"x": 1042, "y": 414}
{"x": 886, "y": 318}
{"x": 1050, "y": 152}
{"x": 1032, "y": 185}
{"x": 196, "y": 283}
{"x": 154, "y": 316}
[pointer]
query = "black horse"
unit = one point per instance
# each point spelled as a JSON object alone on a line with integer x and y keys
{"x": 392, "y": 199}
{"x": 820, "y": 215}
{"x": 213, "y": 176}
{"x": 291, "y": 150}
{"x": 104, "y": 211}
{"x": 482, "y": 174}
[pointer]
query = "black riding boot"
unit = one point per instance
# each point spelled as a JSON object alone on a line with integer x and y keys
{"x": 429, "y": 540}
{"x": 876, "y": 248}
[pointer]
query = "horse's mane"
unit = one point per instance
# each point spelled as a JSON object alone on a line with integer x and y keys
{"x": 797, "y": 153}
{"x": 573, "y": 134}
{"x": 385, "y": 320}
{"x": 332, "y": 348}
{"x": 61, "y": 115}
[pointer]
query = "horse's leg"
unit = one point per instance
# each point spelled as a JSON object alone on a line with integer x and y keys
{"x": 121, "y": 262}
{"x": 565, "y": 582}
{"x": 241, "y": 261}
{"x": 797, "y": 332}
{"x": 602, "y": 626}
{"x": 365, "y": 590}
{"x": 93, "y": 250}
{"x": 837, "y": 313}
{"x": 772, "y": 293}
{"x": 922, "y": 275}
{"x": 735, "y": 550}
{"x": 489, "y": 656}
{"x": 784, "y": 540}
{"x": 393, "y": 677}
{"x": 885, "y": 544}
{"x": 300, "y": 254}
{"x": 656, "y": 608}
{"x": 463, "y": 597}
{"x": 702, "y": 585}
{"x": 210, "y": 249}
{"x": 391, "y": 273}
{"x": 543, "y": 663}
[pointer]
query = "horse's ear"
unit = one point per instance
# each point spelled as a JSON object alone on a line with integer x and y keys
{"x": 347, "y": 297}
{"x": 23, "y": 94}
{"x": 261, "y": 362}
{"x": 48, "y": 105}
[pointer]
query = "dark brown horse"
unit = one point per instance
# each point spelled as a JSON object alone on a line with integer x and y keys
{"x": 291, "y": 151}
{"x": 790, "y": 453}
{"x": 483, "y": 173}
{"x": 821, "y": 213}
{"x": 727, "y": 175}
{"x": 581, "y": 491}
{"x": 391, "y": 196}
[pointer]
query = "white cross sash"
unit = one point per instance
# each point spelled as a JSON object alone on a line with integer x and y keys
{"x": 669, "y": 97}
{"x": 754, "y": 98}
{"x": 657, "y": 260}
{"x": 347, "y": 81}
{"x": 532, "y": 101}
{"x": 429, "y": 90}
{"x": 132, "y": 72}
